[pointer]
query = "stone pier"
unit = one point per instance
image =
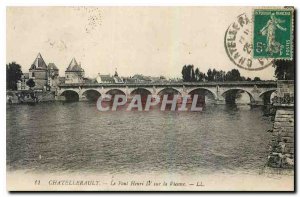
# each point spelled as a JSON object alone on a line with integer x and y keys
{"x": 283, "y": 141}
{"x": 282, "y": 146}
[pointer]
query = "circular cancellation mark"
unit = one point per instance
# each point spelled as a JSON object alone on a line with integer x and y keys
{"x": 238, "y": 45}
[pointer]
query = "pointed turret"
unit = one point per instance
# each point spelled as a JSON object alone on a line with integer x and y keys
{"x": 38, "y": 63}
{"x": 74, "y": 66}
{"x": 74, "y": 72}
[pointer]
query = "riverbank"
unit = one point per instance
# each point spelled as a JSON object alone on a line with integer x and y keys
{"x": 28, "y": 96}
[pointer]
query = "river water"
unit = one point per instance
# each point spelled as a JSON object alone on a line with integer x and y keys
{"x": 73, "y": 137}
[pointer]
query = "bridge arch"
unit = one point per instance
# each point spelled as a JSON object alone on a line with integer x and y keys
{"x": 70, "y": 95}
{"x": 204, "y": 95}
{"x": 91, "y": 94}
{"x": 115, "y": 92}
{"x": 266, "y": 96}
{"x": 169, "y": 91}
{"x": 232, "y": 94}
{"x": 141, "y": 91}
{"x": 205, "y": 90}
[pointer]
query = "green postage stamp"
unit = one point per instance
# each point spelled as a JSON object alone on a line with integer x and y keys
{"x": 273, "y": 33}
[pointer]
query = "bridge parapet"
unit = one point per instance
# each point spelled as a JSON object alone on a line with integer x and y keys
{"x": 176, "y": 84}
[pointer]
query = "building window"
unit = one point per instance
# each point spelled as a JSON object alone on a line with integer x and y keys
{"x": 32, "y": 74}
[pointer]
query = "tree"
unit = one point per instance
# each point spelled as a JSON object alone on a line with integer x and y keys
{"x": 214, "y": 74}
{"x": 202, "y": 76}
{"x": 236, "y": 76}
{"x": 256, "y": 79}
{"x": 30, "y": 83}
{"x": 209, "y": 75}
{"x": 193, "y": 77}
{"x": 243, "y": 78}
{"x": 13, "y": 75}
{"x": 248, "y": 79}
{"x": 219, "y": 76}
{"x": 284, "y": 69}
{"x": 233, "y": 75}
{"x": 197, "y": 74}
{"x": 223, "y": 73}
{"x": 188, "y": 73}
{"x": 184, "y": 73}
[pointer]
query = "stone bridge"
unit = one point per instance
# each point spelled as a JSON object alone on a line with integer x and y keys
{"x": 219, "y": 92}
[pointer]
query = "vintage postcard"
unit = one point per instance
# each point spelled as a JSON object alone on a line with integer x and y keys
{"x": 150, "y": 98}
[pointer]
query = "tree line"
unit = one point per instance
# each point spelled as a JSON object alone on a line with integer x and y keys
{"x": 284, "y": 70}
{"x": 189, "y": 74}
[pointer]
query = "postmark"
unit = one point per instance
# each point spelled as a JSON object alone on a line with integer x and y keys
{"x": 273, "y": 33}
{"x": 238, "y": 45}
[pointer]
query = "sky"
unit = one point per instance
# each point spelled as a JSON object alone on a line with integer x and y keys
{"x": 152, "y": 41}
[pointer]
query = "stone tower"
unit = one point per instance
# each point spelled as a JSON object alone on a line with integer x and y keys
{"x": 38, "y": 72}
{"x": 74, "y": 73}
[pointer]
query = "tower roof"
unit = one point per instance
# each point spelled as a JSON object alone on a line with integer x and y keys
{"x": 52, "y": 66}
{"x": 74, "y": 66}
{"x": 39, "y": 63}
